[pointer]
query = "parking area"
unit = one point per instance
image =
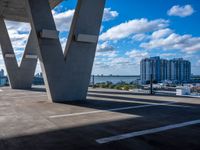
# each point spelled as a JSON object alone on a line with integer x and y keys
{"x": 107, "y": 120}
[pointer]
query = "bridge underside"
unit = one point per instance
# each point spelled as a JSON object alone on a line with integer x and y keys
{"x": 67, "y": 74}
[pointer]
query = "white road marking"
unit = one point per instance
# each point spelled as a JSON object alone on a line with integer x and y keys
{"x": 99, "y": 111}
{"x": 32, "y": 96}
{"x": 145, "y": 132}
{"x": 117, "y": 109}
{"x": 15, "y": 94}
{"x": 1, "y": 90}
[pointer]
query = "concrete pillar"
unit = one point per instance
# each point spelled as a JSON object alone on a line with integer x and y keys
{"x": 67, "y": 75}
{"x": 20, "y": 77}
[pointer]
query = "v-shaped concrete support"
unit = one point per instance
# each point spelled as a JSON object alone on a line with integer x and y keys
{"x": 20, "y": 77}
{"x": 67, "y": 75}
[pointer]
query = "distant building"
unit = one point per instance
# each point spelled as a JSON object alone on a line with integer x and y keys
{"x": 176, "y": 70}
{"x": 150, "y": 66}
{"x": 39, "y": 75}
{"x": 180, "y": 70}
{"x": 163, "y": 69}
{"x": 1, "y": 73}
{"x": 3, "y": 78}
{"x": 38, "y": 79}
{"x": 3, "y": 81}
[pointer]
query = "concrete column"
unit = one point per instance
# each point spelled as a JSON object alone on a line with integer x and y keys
{"x": 20, "y": 77}
{"x": 67, "y": 75}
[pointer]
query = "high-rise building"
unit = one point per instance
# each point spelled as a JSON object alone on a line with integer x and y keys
{"x": 1, "y": 73}
{"x": 163, "y": 69}
{"x": 176, "y": 70}
{"x": 3, "y": 79}
{"x": 150, "y": 66}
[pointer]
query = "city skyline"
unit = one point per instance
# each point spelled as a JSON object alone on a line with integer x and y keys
{"x": 175, "y": 70}
{"x": 131, "y": 32}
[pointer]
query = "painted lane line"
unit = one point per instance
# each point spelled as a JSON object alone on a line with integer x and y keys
{"x": 116, "y": 109}
{"x": 146, "y": 132}
{"x": 32, "y": 96}
{"x": 99, "y": 111}
{"x": 177, "y": 105}
{"x": 23, "y": 93}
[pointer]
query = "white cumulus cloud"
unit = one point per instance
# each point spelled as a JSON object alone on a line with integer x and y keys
{"x": 105, "y": 47}
{"x": 186, "y": 43}
{"x": 18, "y": 33}
{"x": 109, "y": 14}
{"x": 63, "y": 19}
{"x": 181, "y": 11}
{"x": 140, "y": 37}
{"x": 131, "y": 27}
{"x": 137, "y": 55}
{"x": 161, "y": 33}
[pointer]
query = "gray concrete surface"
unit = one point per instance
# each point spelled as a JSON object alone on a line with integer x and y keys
{"x": 28, "y": 121}
{"x": 67, "y": 75}
{"x": 20, "y": 77}
{"x": 15, "y": 10}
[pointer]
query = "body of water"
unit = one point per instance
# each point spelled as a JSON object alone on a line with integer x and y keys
{"x": 114, "y": 79}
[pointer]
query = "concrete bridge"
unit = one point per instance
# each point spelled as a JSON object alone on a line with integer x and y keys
{"x": 67, "y": 74}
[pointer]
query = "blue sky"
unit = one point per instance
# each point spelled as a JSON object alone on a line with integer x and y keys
{"x": 132, "y": 30}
